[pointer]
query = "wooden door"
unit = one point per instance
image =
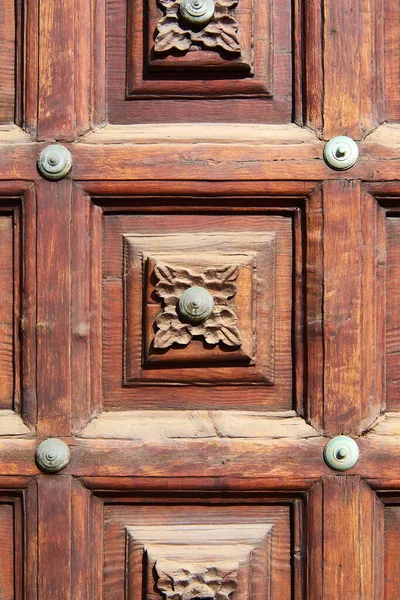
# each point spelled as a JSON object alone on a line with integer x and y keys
{"x": 196, "y": 468}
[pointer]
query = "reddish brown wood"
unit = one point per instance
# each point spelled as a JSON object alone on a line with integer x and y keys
{"x": 197, "y": 451}
{"x": 8, "y": 71}
{"x": 53, "y": 308}
{"x": 352, "y": 532}
{"x": 54, "y": 536}
{"x": 352, "y": 329}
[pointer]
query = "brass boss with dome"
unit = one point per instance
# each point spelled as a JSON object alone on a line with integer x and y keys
{"x": 195, "y": 304}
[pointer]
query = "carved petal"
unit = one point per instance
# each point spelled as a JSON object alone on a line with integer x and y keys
{"x": 170, "y": 35}
{"x": 222, "y": 292}
{"x": 222, "y": 33}
{"x": 230, "y": 336}
{"x": 165, "y": 320}
{"x": 165, "y": 338}
{"x": 227, "y": 317}
{"x": 223, "y": 274}
{"x": 212, "y": 335}
{"x": 226, "y": 3}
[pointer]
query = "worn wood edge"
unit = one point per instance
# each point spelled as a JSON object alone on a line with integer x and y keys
{"x": 199, "y": 133}
{"x": 12, "y": 424}
{"x": 146, "y": 425}
{"x": 387, "y": 426}
{"x": 12, "y": 134}
{"x": 387, "y": 134}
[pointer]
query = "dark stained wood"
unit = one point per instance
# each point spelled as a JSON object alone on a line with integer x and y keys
{"x": 199, "y": 147}
{"x": 8, "y": 70}
{"x": 53, "y": 308}
{"x": 352, "y": 540}
{"x": 54, "y": 536}
{"x": 56, "y": 71}
{"x": 352, "y": 329}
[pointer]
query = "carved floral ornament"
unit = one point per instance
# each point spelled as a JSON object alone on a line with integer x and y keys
{"x": 197, "y": 24}
{"x": 204, "y": 583}
{"x": 220, "y": 325}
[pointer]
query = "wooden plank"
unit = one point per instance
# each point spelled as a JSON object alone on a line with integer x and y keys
{"x": 56, "y": 97}
{"x": 8, "y": 60}
{"x": 87, "y": 540}
{"x": 28, "y": 309}
{"x": 352, "y": 67}
{"x": 352, "y": 331}
{"x": 53, "y": 307}
{"x": 54, "y": 537}
{"x": 353, "y": 518}
{"x": 7, "y": 341}
{"x": 8, "y": 550}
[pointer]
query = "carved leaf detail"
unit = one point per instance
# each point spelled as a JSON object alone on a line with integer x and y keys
{"x": 165, "y": 338}
{"x": 221, "y": 326}
{"x": 230, "y": 336}
{"x": 222, "y": 33}
{"x": 185, "y": 584}
{"x": 170, "y": 35}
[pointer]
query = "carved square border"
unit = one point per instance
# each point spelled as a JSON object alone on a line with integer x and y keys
{"x": 248, "y": 75}
{"x": 260, "y": 370}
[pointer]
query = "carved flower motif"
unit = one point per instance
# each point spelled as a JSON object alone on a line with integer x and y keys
{"x": 183, "y": 584}
{"x": 221, "y": 325}
{"x": 220, "y": 34}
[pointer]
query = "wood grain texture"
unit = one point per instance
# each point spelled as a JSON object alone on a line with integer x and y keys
{"x": 344, "y": 57}
{"x": 353, "y": 518}
{"x": 54, "y": 537}
{"x": 160, "y": 84}
{"x": 352, "y": 329}
{"x": 7, "y": 340}
{"x": 56, "y": 98}
{"x": 8, "y": 64}
{"x": 53, "y": 308}
{"x": 213, "y": 527}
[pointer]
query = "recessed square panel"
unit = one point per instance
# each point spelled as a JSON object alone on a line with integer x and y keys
{"x": 231, "y": 49}
{"x": 183, "y": 551}
{"x": 237, "y": 272}
{"x": 233, "y": 64}
{"x": 153, "y": 354}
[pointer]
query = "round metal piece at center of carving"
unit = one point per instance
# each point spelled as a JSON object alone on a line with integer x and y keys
{"x": 341, "y": 153}
{"x": 196, "y": 304}
{"x": 54, "y": 162}
{"x": 52, "y": 455}
{"x": 341, "y": 453}
{"x": 197, "y": 12}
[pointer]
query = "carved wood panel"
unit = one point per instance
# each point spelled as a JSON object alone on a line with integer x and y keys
{"x": 194, "y": 549}
{"x": 262, "y": 249}
{"x": 228, "y": 58}
{"x": 17, "y": 274}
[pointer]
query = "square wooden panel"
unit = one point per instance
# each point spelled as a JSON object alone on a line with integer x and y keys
{"x": 17, "y": 300}
{"x": 259, "y": 373}
{"x": 250, "y": 82}
{"x": 184, "y": 549}
{"x": 239, "y": 64}
{"x": 253, "y": 254}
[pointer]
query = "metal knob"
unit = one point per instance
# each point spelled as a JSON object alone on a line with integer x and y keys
{"x": 197, "y": 12}
{"x": 341, "y": 153}
{"x": 341, "y": 453}
{"x": 54, "y": 162}
{"x": 52, "y": 455}
{"x": 195, "y": 304}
